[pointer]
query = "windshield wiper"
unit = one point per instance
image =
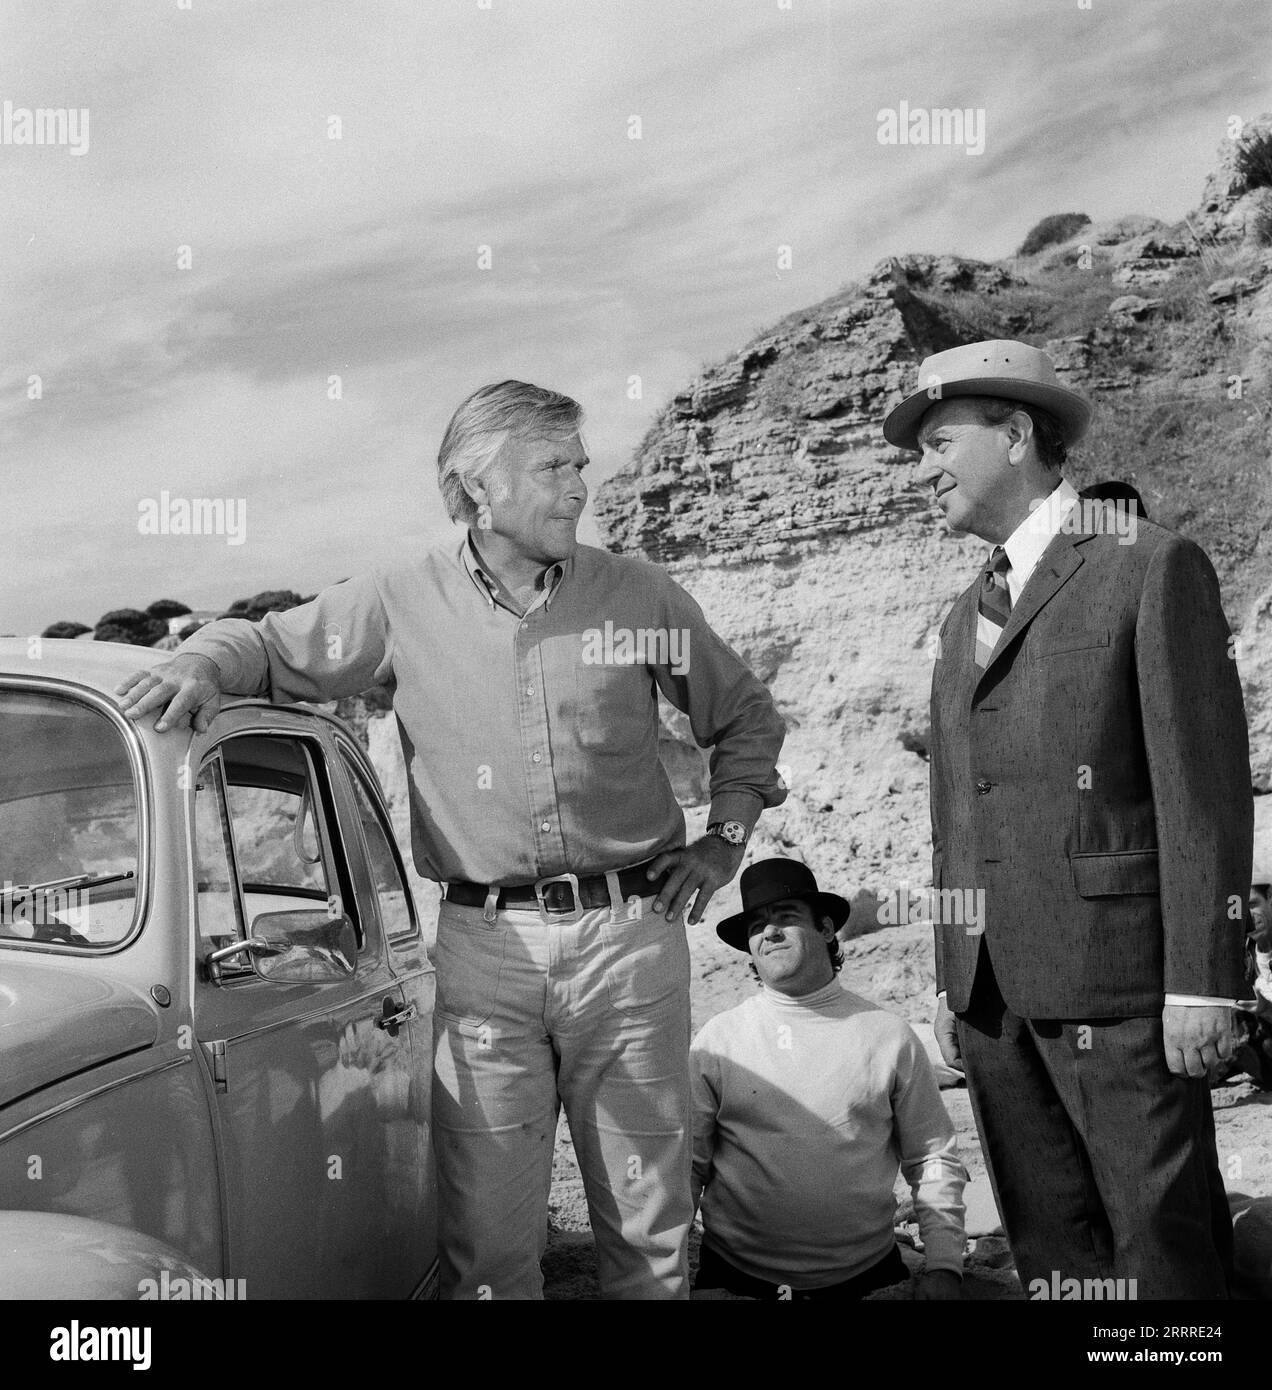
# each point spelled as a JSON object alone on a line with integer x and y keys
{"x": 75, "y": 881}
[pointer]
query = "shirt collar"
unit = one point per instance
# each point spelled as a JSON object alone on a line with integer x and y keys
{"x": 489, "y": 587}
{"x": 1026, "y": 543}
{"x": 825, "y": 994}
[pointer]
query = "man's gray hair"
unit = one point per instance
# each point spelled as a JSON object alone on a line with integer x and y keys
{"x": 484, "y": 423}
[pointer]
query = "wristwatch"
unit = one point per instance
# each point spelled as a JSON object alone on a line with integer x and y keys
{"x": 731, "y": 830}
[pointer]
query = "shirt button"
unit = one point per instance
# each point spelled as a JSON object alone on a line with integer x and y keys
{"x": 536, "y": 757}
{"x": 547, "y": 825}
{"x": 983, "y": 788}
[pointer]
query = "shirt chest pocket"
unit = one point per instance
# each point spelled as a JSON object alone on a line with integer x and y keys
{"x": 615, "y": 708}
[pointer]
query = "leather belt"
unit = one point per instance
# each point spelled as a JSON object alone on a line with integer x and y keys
{"x": 559, "y": 893}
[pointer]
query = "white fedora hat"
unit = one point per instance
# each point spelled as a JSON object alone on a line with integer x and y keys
{"x": 996, "y": 367}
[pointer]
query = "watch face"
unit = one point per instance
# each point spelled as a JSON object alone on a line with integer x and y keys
{"x": 733, "y": 831}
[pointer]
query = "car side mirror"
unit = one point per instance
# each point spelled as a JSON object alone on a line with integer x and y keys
{"x": 303, "y": 947}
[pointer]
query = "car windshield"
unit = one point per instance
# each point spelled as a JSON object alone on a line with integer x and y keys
{"x": 69, "y": 824}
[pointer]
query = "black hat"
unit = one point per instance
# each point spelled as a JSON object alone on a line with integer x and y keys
{"x": 772, "y": 881}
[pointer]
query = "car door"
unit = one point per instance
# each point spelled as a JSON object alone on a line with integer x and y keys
{"x": 311, "y": 1081}
{"x": 380, "y": 879}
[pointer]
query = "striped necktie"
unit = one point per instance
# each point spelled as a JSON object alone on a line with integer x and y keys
{"x": 994, "y": 606}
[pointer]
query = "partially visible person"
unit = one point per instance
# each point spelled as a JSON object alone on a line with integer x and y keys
{"x": 1254, "y": 1054}
{"x": 1119, "y": 493}
{"x": 807, "y": 1100}
{"x": 1259, "y": 937}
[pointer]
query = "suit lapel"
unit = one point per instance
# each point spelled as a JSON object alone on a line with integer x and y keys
{"x": 959, "y": 670}
{"x": 962, "y": 629}
{"x": 1055, "y": 566}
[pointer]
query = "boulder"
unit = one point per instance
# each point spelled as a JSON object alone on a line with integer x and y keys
{"x": 1143, "y": 274}
{"x": 1229, "y": 288}
{"x": 1133, "y": 306}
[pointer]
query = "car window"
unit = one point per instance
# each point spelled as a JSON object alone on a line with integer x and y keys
{"x": 397, "y": 910}
{"x": 220, "y": 920}
{"x": 70, "y": 824}
{"x": 287, "y": 851}
{"x": 274, "y": 802}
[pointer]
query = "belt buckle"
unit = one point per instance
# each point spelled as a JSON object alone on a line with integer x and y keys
{"x": 567, "y": 915}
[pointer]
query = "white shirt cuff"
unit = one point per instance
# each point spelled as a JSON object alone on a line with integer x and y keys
{"x": 1200, "y": 1001}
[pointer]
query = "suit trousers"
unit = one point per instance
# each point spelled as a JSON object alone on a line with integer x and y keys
{"x": 535, "y": 1012}
{"x": 1102, "y": 1161}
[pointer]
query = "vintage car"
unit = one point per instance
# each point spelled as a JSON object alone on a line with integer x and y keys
{"x": 215, "y": 1002}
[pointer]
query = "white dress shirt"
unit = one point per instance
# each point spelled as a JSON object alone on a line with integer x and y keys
{"x": 1026, "y": 543}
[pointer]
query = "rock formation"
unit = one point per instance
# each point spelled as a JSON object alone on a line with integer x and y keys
{"x": 767, "y": 489}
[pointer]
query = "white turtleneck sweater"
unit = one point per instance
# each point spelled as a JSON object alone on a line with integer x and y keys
{"x": 804, "y": 1109}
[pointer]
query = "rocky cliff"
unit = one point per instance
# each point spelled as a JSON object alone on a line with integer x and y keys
{"x": 767, "y": 489}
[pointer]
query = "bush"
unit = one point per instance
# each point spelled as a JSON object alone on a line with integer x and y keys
{"x": 166, "y": 608}
{"x": 1051, "y": 231}
{"x": 66, "y": 628}
{"x": 269, "y": 601}
{"x": 136, "y": 636}
{"x": 123, "y": 617}
{"x": 1254, "y": 160}
{"x": 129, "y": 625}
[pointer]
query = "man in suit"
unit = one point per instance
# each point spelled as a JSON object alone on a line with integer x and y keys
{"x": 1090, "y": 775}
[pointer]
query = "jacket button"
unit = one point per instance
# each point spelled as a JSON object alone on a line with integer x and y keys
{"x": 983, "y": 788}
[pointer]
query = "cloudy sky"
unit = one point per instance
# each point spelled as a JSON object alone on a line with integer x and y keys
{"x": 507, "y": 125}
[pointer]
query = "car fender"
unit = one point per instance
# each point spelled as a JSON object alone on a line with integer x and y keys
{"x": 48, "y": 1255}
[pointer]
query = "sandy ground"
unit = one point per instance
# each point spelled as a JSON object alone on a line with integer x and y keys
{"x": 893, "y": 967}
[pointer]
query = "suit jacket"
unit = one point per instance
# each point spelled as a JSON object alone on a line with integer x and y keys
{"x": 1094, "y": 782}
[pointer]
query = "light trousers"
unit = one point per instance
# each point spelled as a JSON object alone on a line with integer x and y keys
{"x": 534, "y": 1013}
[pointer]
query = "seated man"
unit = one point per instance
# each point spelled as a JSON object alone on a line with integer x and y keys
{"x": 807, "y": 1099}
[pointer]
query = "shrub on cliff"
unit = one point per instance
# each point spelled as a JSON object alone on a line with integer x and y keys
{"x": 1051, "y": 231}
{"x": 1254, "y": 160}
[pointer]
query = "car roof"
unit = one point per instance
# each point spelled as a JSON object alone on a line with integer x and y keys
{"x": 99, "y": 665}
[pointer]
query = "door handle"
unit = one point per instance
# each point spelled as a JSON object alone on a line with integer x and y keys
{"x": 391, "y": 1021}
